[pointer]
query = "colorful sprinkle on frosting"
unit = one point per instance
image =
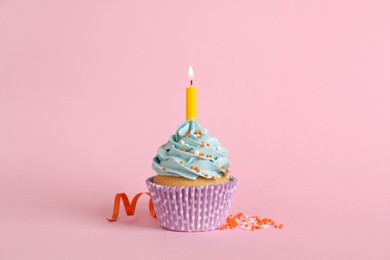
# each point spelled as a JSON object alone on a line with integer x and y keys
{"x": 184, "y": 155}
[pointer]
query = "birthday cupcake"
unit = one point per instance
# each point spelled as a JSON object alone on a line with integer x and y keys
{"x": 193, "y": 189}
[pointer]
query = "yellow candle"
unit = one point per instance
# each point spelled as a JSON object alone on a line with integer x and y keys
{"x": 191, "y": 94}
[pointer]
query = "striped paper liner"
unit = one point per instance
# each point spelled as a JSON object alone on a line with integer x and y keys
{"x": 192, "y": 209}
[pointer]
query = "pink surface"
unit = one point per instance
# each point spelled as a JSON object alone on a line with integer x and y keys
{"x": 298, "y": 91}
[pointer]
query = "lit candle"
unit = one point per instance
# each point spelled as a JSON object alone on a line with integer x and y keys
{"x": 191, "y": 97}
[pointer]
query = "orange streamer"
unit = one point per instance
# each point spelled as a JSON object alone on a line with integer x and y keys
{"x": 129, "y": 207}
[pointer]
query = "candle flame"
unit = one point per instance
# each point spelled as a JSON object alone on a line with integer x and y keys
{"x": 190, "y": 73}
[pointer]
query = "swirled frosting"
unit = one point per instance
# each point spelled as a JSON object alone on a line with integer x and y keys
{"x": 191, "y": 153}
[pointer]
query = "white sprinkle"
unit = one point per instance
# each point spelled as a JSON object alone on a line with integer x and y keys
{"x": 219, "y": 148}
{"x": 196, "y": 152}
{"x": 182, "y": 142}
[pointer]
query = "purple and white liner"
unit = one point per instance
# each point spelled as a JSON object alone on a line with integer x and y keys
{"x": 192, "y": 209}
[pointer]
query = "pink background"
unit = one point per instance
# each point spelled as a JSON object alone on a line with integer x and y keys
{"x": 298, "y": 91}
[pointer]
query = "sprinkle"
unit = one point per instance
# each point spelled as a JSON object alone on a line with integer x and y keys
{"x": 164, "y": 169}
{"x": 182, "y": 149}
{"x": 227, "y": 170}
{"x": 191, "y": 152}
{"x": 197, "y": 170}
{"x": 222, "y": 167}
{"x": 199, "y": 158}
{"x": 201, "y": 154}
{"x": 205, "y": 174}
{"x": 192, "y": 167}
{"x": 181, "y": 162}
{"x": 196, "y": 152}
{"x": 247, "y": 222}
{"x": 219, "y": 148}
{"x": 213, "y": 178}
{"x": 188, "y": 134}
{"x": 208, "y": 144}
{"x": 182, "y": 142}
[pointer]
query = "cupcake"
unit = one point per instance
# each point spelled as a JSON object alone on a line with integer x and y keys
{"x": 193, "y": 190}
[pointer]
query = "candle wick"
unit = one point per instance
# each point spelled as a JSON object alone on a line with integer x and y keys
{"x": 191, "y": 82}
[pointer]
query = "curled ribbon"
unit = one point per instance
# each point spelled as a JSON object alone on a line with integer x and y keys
{"x": 129, "y": 207}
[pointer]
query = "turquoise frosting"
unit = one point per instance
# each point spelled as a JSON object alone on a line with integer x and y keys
{"x": 180, "y": 155}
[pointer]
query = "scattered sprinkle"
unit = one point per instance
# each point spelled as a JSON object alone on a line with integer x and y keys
{"x": 181, "y": 162}
{"x": 227, "y": 170}
{"x": 247, "y": 222}
{"x": 222, "y": 167}
{"x": 164, "y": 169}
{"x": 182, "y": 149}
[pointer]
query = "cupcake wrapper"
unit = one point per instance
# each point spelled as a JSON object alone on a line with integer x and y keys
{"x": 192, "y": 209}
